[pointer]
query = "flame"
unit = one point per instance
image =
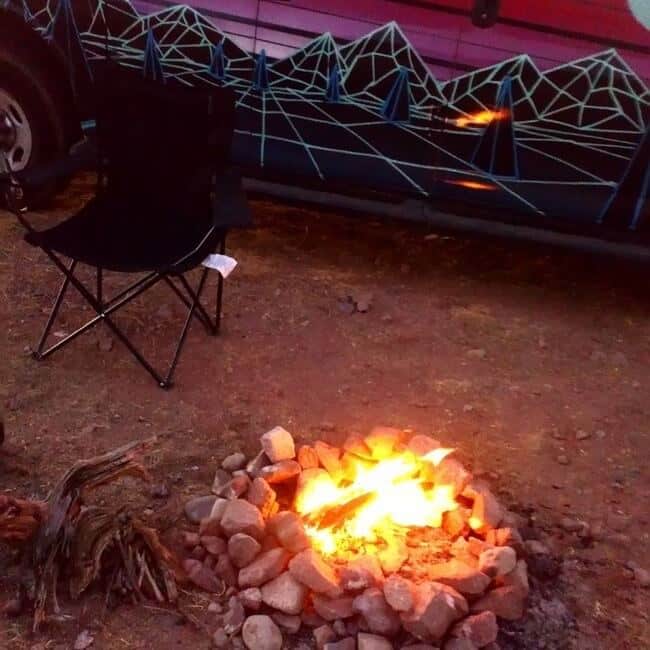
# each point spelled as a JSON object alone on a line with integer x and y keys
{"x": 481, "y": 118}
{"x": 393, "y": 493}
{"x": 473, "y": 185}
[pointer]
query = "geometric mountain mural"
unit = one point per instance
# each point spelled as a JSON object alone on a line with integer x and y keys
{"x": 566, "y": 143}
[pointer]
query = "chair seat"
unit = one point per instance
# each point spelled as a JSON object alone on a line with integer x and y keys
{"x": 117, "y": 235}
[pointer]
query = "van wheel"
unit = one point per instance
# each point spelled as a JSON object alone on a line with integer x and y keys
{"x": 32, "y": 118}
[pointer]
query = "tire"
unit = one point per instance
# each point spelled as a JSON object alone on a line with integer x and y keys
{"x": 37, "y": 117}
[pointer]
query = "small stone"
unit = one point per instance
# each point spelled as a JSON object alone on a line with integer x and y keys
{"x": 261, "y": 633}
{"x": 344, "y": 644}
{"x": 262, "y": 496}
{"x": 255, "y": 466}
{"x": 563, "y": 460}
{"x": 422, "y": 445}
{"x": 199, "y": 508}
{"x": 517, "y": 578}
{"x": 478, "y": 353}
{"x": 340, "y": 627}
{"x": 251, "y": 598}
{"x": 642, "y": 576}
{"x": 382, "y": 440}
{"x": 160, "y": 491}
{"x": 600, "y": 434}
{"x": 355, "y": 445}
{"x": 215, "y": 608}
{"x": 201, "y": 576}
{"x": 322, "y": 635}
{"x": 307, "y": 457}
{"x": 225, "y": 570}
{"x": 459, "y": 644}
{"x": 366, "y": 641}
{"x": 505, "y": 602}
{"x": 506, "y": 537}
{"x": 398, "y": 592}
{"x": 497, "y": 561}
{"x": 581, "y": 434}
{"x": 331, "y": 609}
{"x": 571, "y": 525}
{"x": 328, "y": 457}
{"x": 190, "y": 539}
{"x": 234, "y": 617}
{"x": 243, "y": 549}
{"x": 221, "y": 478}
{"x": 380, "y": 617}
{"x": 462, "y": 577}
{"x": 289, "y": 530}
{"x": 240, "y": 516}
{"x": 263, "y": 568}
{"x": 235, "y": 488}
{"x": 198, "y": 552}
{"x": 84, "y": 640}
{"x": 285, "y": 594}
{"x": 311, "y": 570}
{"x": 220, "y": 638}
{"x": 213, "y": 545}
{"x": 450, "y": 472}
{"x": 480, "y": 629}
{"x": 278, "y": 445}
{"x": 486, "y": 513}
{"x": 362, "y": 573}
{"x": 281, "y": 471}
{"x": 535, "y": 547}
{"x": 287, "y": 622}
{"x": 234, "y": 462}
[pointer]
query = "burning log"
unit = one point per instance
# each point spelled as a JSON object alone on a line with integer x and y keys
{"x": 334, "y": 516}
{"x": 65, "y": 538}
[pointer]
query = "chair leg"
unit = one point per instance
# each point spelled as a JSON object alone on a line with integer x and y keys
{"x": 222, "y": 250}
{"x": 181, "y": 341}
{"x": 38, "y": 354}
{"x": 200, "y": 312}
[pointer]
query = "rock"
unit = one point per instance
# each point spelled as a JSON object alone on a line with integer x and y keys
{"x": 287, "y": 622}
{"x": 243, "y": 549}
{"x": 344, "y": 644}
{"x": 309, "y": 568}
{"x": 190, "y": 539}
{"x": 563, "y": 460}
{"x": 234, "y": 617}
{"x": 263, "y": 568}
{"x": 506, "y": 537}
{"x": 571, "y": 525}
{"x": 393, "y": 556}
{"x": 462, "y": 577}
{"x": 281, "y": 471}
{"x": 234, "y": 462}
{"x": 329, "y": 458}
{"x": 262, "y": 496}
{"x": 642, "y": 577}
{"x": 307, "y": 457}
{"x": 311, "y": 619}
{"x": 199, "y": 553}
{"x": 367, "y": 641}
{"x": 459, "y": 644}
{"x": 452, "y": 473}
{"x": 517, "y": 578}
{"x": 582, "y": 435}
{"x": 340, "y": 628}
{"x": 421, "y": 445}
{"x": 285, "y": 594}
{"x": 398, "y": 592}
{"x": 480, "y": 629}
{"x": 199, "y": 508}
{"x": 361, "y": 573}
{"x": 437, "y": 607}
{"x": 289, "y": 530}
{"x": 363, "y": 301}
{"x": 221, "y": 478}
{"x": 261, "y": 633}
{"x": 382, "y": 440}
{"x": 240, "y": 516}
{"x": 278, "y": 445}
{"x": 13, "y": 607}
{"x": 220, "y": 638}
{"x": 505, "y": 602}
{"x": 160, "y": 491}
{"x": 478, "y": 353}
{"x": 486, "y": 513}
{"x": 215, "y": 608}
{"x": 84, "y": 640}
{"x": 201, "y": 576}
{"x": 381, "y": 619}
{"x": 331, "y": 609}
{"x": 235, "y": 488}
{"x": 255, "y": 466}
{"x": 322, "y": 635}
{"x": 356, "y": 446}
{"x": 251, "y": 598}
{"x": 214, "y": 545}
{"x": 225, "y": 570}
{"x": 497, "y": 561}
{"x": 535, "y": 547}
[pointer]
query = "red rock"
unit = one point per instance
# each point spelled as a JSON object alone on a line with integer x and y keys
{"x": 451, "y": 472}
{"x": 262, "y": 496}
{"x": 251, "y": 598}
{"x": 344, "y": 644}
{"x": 421, "y": 445}
{"x": 437, "y": 607}
{"x": 214, "y": 545}
{"x": 225, "y": 570}
{"x": 307, "y": 457}
{"x": 379, "y": 616}
{"x": 263, "y": 568}
{"x": 367, "y": 641}
{"x": 255, "y": 466}
{"x": 480, "y": 629}
{"x": 234, "y": 462}
{"x": 287, "y": 622}
{"x": 459, "y": 644}
{"x": 463, "y": 578}
{"x": 278, "y": 445}
{"x": 289, "y": 531}
{"x": 281, "y": 471}
{"x": 355, "y": 445}
{"x": 201, "y": 576}
{"x": 332, "y": 609}
{"x": 310, "y": 618}
{"x": 234, "y": 488}
{"x": 505, "y": 602}
{"x": 234, "y": 617}
{"x": 199, "y": 507}
{"x": 240, "y": 516}
{"x": 329, "y": 458}
{"x": 497, "y": 561}
{"x": 190, "y": 540}
{"x": 309, "y": 568}
{"x": 322, "y": 635}
{"x": 382, "y": 440}
{"x": 506, "y": 537}
{"x": 243, "y": 549}
{"x": 398, "y": 592}
{"x": 261, "y": 633}
{"x": 486, "y": 513}
{"x": 285, "y": 594}
{"x": 362, "y": 573}
{"x": 198, "y": 553}
{"x": 517, "y": 578}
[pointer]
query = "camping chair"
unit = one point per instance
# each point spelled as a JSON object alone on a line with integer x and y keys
{"x": 165, "y": 199}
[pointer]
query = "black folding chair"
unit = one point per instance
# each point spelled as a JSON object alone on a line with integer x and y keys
{"x": 165, "y": 199}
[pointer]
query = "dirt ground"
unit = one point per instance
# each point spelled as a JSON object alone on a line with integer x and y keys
{"x": 504, "y": 350}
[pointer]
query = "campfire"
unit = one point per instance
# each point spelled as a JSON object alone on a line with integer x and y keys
{"x": 385, "y": 542}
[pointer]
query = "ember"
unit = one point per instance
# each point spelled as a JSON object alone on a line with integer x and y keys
{"x": 481, "y": 118}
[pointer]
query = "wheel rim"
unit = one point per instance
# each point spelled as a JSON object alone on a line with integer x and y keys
{"x": 19, "y": 142}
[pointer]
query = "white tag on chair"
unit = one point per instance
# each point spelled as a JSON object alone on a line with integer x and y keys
{"x": 221, "y": 263}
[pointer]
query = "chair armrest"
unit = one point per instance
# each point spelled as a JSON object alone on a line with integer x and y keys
{"x": 230, "y": 207}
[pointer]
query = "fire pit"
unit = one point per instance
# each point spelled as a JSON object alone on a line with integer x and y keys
{"x": 387, "y": 542}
